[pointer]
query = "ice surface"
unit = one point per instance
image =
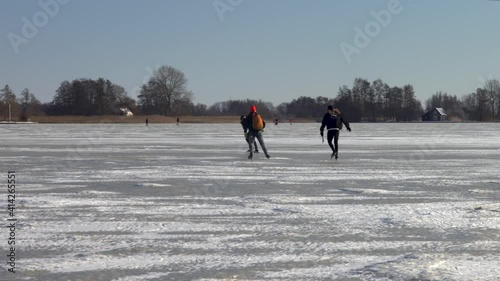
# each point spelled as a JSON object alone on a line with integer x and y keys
{"x": 129, "y": 202}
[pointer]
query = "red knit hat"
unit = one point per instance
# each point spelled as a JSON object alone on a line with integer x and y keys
{"x": 253, "y": 108}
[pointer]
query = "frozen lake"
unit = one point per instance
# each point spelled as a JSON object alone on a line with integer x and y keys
{"x": 130, "y": 202}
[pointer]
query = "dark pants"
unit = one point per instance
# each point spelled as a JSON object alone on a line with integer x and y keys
{"x": 251, "y": 139}
{"x": 333, "y": 135}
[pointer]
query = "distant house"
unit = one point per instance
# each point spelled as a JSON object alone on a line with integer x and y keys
{"x": 437, "y": 114}
{"x": 125, "y": 112}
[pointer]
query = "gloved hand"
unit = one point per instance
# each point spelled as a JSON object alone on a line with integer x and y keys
{"x": 321, "y": 133}
{"x": 263, "y": 130}
{"x": 349, "y": 129}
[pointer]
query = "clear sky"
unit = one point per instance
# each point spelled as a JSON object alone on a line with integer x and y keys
{"x": 276, "y": 50}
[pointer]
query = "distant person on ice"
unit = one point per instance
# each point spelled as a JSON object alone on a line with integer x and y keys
{"x": 243, "y": 122}
{"x": 333, "y": 121}
{"x": 147, "y": 121}
{"x": 177, "y": 121}
{"x": 255, "y": 126}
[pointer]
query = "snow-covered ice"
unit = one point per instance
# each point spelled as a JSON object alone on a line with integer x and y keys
{"x": 129, "y": 202}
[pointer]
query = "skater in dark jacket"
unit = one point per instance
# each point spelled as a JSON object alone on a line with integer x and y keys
{"x": 333, "y": 121}
{"x": 243, "y": 122}
{"x": 255, "y": 126}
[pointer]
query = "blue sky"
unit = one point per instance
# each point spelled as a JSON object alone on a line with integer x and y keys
{"x": 273, "y": 50}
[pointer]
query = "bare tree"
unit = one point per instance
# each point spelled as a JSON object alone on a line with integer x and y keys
{"x": 363, "y": 97}
{"x": 379, "y": 89}
{"x": 24, "y": 101}
{"x": 498, "y": 106}
{"x": 30, "y": 105}
{"x": 166, "y": 88}
{"x": 411, "y": 109}
{"x": 475, "y": 105}
{"x": 282, "y": 108}
{"x": 8, "y": 99}
{"x": 492, "y": 87}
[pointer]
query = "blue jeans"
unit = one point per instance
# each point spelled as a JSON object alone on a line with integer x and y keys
{"x": 251, "y": 139}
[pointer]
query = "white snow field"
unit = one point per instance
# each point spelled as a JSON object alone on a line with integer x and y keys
{"x": 130, "y": 202}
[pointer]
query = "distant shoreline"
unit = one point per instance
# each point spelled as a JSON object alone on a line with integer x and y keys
{"x": 152, "y": 119}
{"x": 158, "y": 119}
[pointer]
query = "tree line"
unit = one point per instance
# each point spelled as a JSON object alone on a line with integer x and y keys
{"x": 12, "y": 107}
{"x": 365, "y": 101}
{"x": 166, "y": 93}
{"x": 481, "y": 105}
{"x": 89, "y": 97}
